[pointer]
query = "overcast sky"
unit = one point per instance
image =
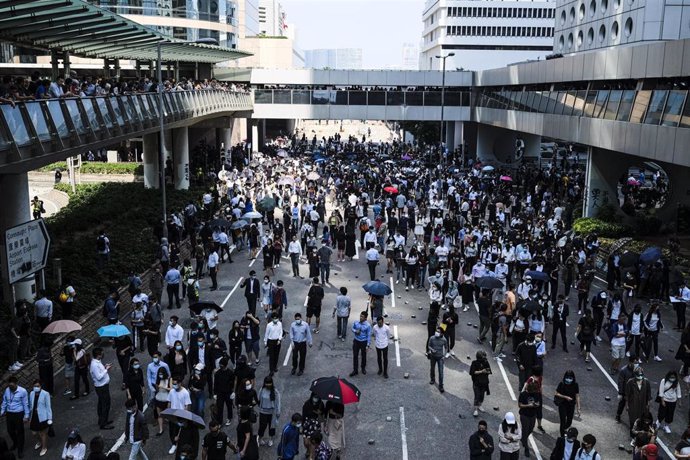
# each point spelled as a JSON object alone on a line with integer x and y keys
{"x": 379, "y": 27}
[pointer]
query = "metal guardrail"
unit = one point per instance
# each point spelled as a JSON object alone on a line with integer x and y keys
{"x": 35, "y": 128}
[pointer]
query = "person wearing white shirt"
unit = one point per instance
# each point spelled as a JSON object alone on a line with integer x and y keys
{"x": 680, "y": 307}
{"x": 370, "y": 238}
{"x": 372, "y": 256}
{"x": 212, "y": 264}
{"x": 524, "y": 288}
{"x": 670, "y": 393}
{"x": 101, "y": 381}
{"x": 211, "y": 317}
{"x": 178, "y": 398}
{"x": 381, "y": 332}
{"x": 295, "y": 251}
{"x": 173, "y": 333}
{"x": 272, "y": 338}
{"x": 74, "y": 449}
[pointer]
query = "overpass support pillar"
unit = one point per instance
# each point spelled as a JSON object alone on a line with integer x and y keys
{"x": 181, "y": 158}
{"x": 505, "y": 146}
{"x": 151, "y": 161}
{"x": 15, "y": 211}
{"x": 224, "y": 136}
{"x": 600, "y": 189}
{"x": 255, "y": 136}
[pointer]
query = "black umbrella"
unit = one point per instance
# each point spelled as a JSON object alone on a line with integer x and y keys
{"x": 488, "y": 282}
{"x": 199, "y": 306}
{"x": 182, "y": 414}
{"x": 531, "y": 306}
{"x": 377, "y": 288}
{"x": 219, "y": 223}
{"x": 537, "y": 275}
{"x": 629, "y": 258}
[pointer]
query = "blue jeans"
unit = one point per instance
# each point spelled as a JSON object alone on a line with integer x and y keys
{"x": 252, "y": 346}
{"x": 422, "y": 276}
{"x": 399, "y": 271}
{"x": 325, "y": 272}
{"x": 436, "y": 362}
{"x": 137, "y": 449}
{"x": 198, "y": 402}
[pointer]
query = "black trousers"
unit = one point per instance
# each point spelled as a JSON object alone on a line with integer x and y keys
{"x": 15, "y": 429}
{"x": 299, "y": 349}
{"x": 103, "y": 408}
{"x": 559, "y": 327}
{"x": 173, "y": 292}
{"x": 213, "y": 272}
{"x": 80, "y": 374}
{"x": 223, "y": 399}
{"x": 382, "y": 359}
{"x": 372, "y": 269}
{"x": 357, "y": 347}
{"x": 265, "y": 422}
{"x": 680, "y": 314}
{"x": 273, "y": 355}
{"x": 251, "y": 303}
{"x": 565, "y": 415}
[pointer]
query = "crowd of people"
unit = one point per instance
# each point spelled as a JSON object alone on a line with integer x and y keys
{"x": 474, "y": 236}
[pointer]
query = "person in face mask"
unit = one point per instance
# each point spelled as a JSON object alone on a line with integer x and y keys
{"x": 173, "y": 333}
{"x": 288, "y": 448}
{"x": 567, "y": 399}
{"x": 481, "y": 443}
{"x": 136, "y": 430}
{"x": 669, "y": 394}
{"x": 638, "y": 393}
{"x": 41, "y": 416}
{"x": 134, "y": 382}
{"x": 272, "y": 340}
{"x": 202, "y": 354}
{"x": 177, "y": 360}
{"x": 178, "y": 398}
{"x": 437, "y": 349}
{"x": 567, "y": 446}
{"x": 247, "y": 397}
{"x": 625, "y": 374}
{"x": 215, "y": 444}
{"x": 682, "y": 449}
{"x": 152, "y": 371}
{"x": 313, "y": 411}
{"x": 300, "y": 335}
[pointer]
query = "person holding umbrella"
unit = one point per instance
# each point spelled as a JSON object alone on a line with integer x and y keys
{"x": 313, "y": 413}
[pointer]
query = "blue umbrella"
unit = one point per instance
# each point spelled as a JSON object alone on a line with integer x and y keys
{"x": 537, "y": 275}
{"x": 377, "y": 288}
{"x": 650, "y": 255}
{"x": 113, "y": 330}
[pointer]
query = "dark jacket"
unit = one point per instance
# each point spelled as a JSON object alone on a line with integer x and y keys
{"x": 559, "y": 450}
{"x": 563, "y": 317}
{"x": 193, "y": 359}
{"x": 246, "y": 284}
{"x": 625, "y": 374}
{"x": 479, "y": 452}
{"x": 224, "y": 381}
{"x": 141, "y": 430}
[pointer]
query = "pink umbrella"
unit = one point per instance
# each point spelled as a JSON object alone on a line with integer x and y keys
{"x": 506, "y": 179}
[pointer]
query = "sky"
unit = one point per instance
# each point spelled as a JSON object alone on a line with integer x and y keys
{"x": 379, "y": 27}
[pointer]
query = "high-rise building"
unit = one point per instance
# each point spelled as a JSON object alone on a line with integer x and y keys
{"x": 340, "y": 58}
{"x": 486, "y": 34}
{"x": 186, "y": 20}
{"x": 272, "y": 18}
{"x": 583, "y": 25}
{"x": 410, "y": 57}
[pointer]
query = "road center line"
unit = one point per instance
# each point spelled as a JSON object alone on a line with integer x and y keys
{"x": 615, "y": 386}
{"x": 392, "y": 293}
{"x": 397, "y": 345}
{"x": 403, "y": 433}
{"x": 287, "y": 355}
{"x": 227, "y": 297}
{"x": 356, "y": 256}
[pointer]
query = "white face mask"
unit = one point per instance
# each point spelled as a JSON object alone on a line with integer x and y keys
{"x": 438, "y": 334}
{"x": 299, "y": 322}
{"x": 248, "y": 387}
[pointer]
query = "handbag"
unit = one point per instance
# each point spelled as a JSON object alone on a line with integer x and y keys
{"x": 557, "y": 400}
{"x": 252, "y": 416}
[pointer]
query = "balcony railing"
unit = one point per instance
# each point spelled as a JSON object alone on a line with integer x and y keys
{"x": 54, "y": 125}
{"x": 370, "y": 98}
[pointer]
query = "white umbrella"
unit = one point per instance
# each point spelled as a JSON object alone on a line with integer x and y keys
{"x": 252, "y": 215}
{"x": 313, "y": 176}
{"x": 286, "y": 180}
{"x": 488, "y": 168}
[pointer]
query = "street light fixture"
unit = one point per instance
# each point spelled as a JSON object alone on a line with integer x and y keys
{"x": 161, "y": 118}
{"x": 443, "y": 100}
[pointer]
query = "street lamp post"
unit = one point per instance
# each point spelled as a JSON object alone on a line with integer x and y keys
{"x": 443, "y": 99}
{"x": 161, "y": 119}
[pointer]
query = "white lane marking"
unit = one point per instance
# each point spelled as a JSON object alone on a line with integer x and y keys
{"x": 615, "y": 386}
{"x": 403, "y": 433}
{"x": 121, "y": 439}
{"x": 256, "y": 257}
{"x": 356, "y": 256}
{"x": 397, "y": 345}
{"x": 392, "y": 293}
{"x": 227, "y": 297}
{"x": 436, "y": 420}
{"x": 287, "y": 355}
{"x": 511, "y": 392}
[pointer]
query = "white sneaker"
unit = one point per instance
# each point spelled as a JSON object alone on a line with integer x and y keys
{"x": 19, "y": 365}
{"x": 37, "y": 446}
{"x": 627, "y": 354}
{"x": 481, "y": 409}
{"x": 173, "y": 449}
{"x": 452, "y": 353}
{"x": 667, "y": 430}
{"x": 501, "y": 355}
{"x": 656, "y": 358}
{"x": 228, "y": 422}
{"x": 262, "y": 442}
{"x": 475, "y": 413}
{"x": 270, "y": 443}
{"x": 598, "y": 339}
{"x": 466, "y": 308}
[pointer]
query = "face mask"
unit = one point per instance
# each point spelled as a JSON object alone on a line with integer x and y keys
{"x": 176, "y": 386}
{"x": 568, "y": 380}
{"x": 275, "y": 321}
{"x": 265, "y": 281}
{"x": 200, "y": 327}
{"x": 438, "y": 334}
{"x": 672, "y": 380}
{"x": 200, "y": 344}
{"x": 156, "y": 360}
{"x": 171, "y": 323}
{"x": 315, "y": 400}
{"x": 639, "y": 377}
{"x": 136, "y": 366}
{"x": 37, "y": 389}
{"x": 180, "y": 424}
{"x": 537, "y": 340}
{"x": 178, "y": 347}
{"x": 129, "y": 411}
{"x": 298, "y": 425}
{"x": 248, "y": 387}
{"x": 299, "y": 322}
{"x": 197, "y": 372}
{"x": 212, "y": 336}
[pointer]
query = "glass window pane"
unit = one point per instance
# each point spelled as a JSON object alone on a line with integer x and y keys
{"x": 551, "y": 102}
{"x": 589, "y": 103}
{"x": 38, "y": 120}
{"x": 625, "y": 105}
{"x": 301, "y": 97}
{"x": 320, "y": 97}
{"x": 685, "y": 118}
{"x": 640, "y": 107}
{"x": 134, "y": 100}
{"x": 131, "y": 114}
{"x": 674, "y": 104}
{"x": 600, "y": 103}
{"x": 612, "y": 104}
{"x": 414, "y": 98}
{"x": 73, "y": 110}
{"x": 570, "y": 98}
{"x": 104, "y": 112}
{"x": 395, "y": 98}
{"x": 91, "y": 112}
{"x": 150, "y": 104}
{"x": 579, "y": 104}
{"x": 376, "y": 98}
{"x": 543, "y": 97}
{"x": 58, "y": 117}
{"x": 432, "y": 98}
{"x": 358, "y": 98}
{"x": 118, "y": 113}
{"x": 340, "y": 97}
{"x": 281, "y": 96}
{"x": 656, "y": 107}
{"x": 453, "y": 98}
{"x": 15, "y": 122}
{"x": 263, "y": 96}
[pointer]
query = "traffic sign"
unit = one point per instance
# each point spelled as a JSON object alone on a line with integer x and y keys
{"x": 27, "y": 247}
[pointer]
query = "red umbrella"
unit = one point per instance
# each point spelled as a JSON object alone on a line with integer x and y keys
{"x": 506, "y": 179}
{"x": 336, "y": 390}
{"x": 390, "y": 189}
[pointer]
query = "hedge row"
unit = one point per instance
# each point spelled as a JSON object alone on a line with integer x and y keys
{"x": 99, "y": 167}
{"x": 585, "y": 225}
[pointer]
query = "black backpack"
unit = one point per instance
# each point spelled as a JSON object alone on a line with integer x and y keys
{"x": 100, "y": 243}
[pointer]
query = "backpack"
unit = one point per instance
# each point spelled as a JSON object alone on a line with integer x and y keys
{"x": 100, "y": 243}
{"x": 581, "y": 449}
{"x": 363, "y": 225}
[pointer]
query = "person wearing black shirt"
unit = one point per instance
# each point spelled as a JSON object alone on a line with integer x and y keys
{"x": 215, "y": 444}
{"x": 529, "y": 402}
{"x": 188, "y": 438}
{"x": 134, "y": 382}
{"x": 235, "y": 340}
{"x": 246, "y": 441}
{"x": 568, "y": 399}
{"x": 224, "y": 389}
{"x": 481, "y": 443}
{"x": 480, "y": 371}
{"x": 526, "y": 357}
